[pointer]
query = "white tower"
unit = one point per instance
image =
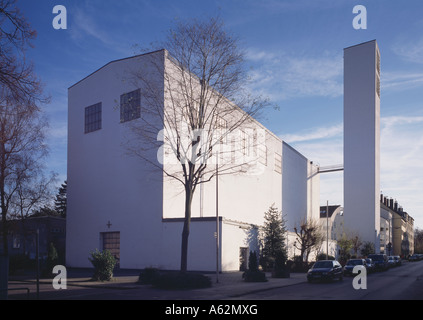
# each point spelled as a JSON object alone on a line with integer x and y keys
{"x": 362, "y": 141}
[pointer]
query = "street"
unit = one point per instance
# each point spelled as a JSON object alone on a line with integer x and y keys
{"x": 399, "y": 283}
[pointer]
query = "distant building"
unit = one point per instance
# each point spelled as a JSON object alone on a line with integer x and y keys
{"x": 401, "y": 229}
{"x": 332, "y": 219}
{"x": 396, "y": 227}
{"x": 22, "y": 236}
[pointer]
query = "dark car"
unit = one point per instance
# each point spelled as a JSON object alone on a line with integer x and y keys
{"x": 325, "y": 270}
{"x": 391, "y": 262}
{"x": 349, "y": 266}
{"x": 370, "y": 265}
{"x": 380, "y": 261}
{"x": 413, "y": 257}
{"x": 398, "y": 260}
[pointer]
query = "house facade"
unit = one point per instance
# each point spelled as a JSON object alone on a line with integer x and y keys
{"x": 130, "y": 206}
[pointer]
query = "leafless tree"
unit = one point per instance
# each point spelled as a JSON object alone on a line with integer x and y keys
{"x": 197, "y": 105}
{"x": 22, "y": 150}
{"x": 356, "y": 242}
{"x": 17, "y": 77}
{"x": 309, "y": 235}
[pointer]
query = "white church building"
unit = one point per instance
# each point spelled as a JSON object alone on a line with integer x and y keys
{"x": 117, "y": 201}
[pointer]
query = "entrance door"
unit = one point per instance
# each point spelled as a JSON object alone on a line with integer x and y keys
{"x": 111, "y": 242}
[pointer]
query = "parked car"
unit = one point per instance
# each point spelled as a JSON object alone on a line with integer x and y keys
{"x": 413, "y": 257}
{"x": 391, "y": 262}
{"x": 349, "y": 266}
{"x": 325, "y": 270}
{"x": 380, "y": 261}
{"x": 370, "y": 265}
{"x": 398, "y": 260}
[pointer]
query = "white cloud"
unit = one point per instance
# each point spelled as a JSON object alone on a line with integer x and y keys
{"x": 314, "y": 134}
{"x": 409, "y": 49}
{"x": 280, "y": 76}
{"x": 401, "y": 81}
{"x": 401, "y": 160}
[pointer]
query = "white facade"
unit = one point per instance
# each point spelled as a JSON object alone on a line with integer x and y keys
{"x": 362, "y": 140}
{"x": 300, "y": 188}
{"x": 117, "y": 196}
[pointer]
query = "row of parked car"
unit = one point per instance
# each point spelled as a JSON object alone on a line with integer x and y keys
{"x": 332, "y": 269}
{"x": 415, "y": 257}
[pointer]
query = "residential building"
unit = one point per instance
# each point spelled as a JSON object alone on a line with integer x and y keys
{"x": 401, "y": 229}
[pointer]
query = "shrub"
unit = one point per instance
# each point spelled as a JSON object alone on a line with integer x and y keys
{"x": 281, "y": 269}
{"x": 52, "y": 260}
{"x": 253, "y": 274}
{"x": 104, "y": 263}
{"x": 182, "y": 280}
{"x": 149, "y": 276}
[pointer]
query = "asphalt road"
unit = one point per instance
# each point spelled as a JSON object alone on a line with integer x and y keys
{"x": 400, "y": 283}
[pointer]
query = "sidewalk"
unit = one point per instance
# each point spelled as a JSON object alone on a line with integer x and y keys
{"x": 230, "y": 285}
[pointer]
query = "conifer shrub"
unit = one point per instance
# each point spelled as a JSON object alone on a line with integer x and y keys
{"x": 104, "y": 263}
{"x": 253, "y": 274}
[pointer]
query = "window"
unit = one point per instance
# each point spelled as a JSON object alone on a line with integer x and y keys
{"x": 93, "y": 118}
{"x": 16, "y": 241}
{"x": 278, "y": 163}
{"x": 262, "y": 154}
{"x": 130, "y": 106}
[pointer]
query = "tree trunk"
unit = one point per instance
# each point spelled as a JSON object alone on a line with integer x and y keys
{"x": 2, "y": 193}
{"x": 185, "y": 231}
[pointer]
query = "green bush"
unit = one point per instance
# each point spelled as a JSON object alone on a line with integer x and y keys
{"x": 52, "y": 260}
{"x": 104, "y": 263}
{"x": 182, "y": 280}
{"x": 281, "y": 269}
{"x": 149, "y": 276}
{"x": 253, "y": 274}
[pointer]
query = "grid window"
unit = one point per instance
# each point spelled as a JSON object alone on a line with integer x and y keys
{"x": 278, "y": 163}
{"x": 263, "y": 155}
{"x": 93, "y": 118}
{"x": 130, "y": 106}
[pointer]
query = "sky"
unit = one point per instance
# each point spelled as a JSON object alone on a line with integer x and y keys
{"x": 294, "y": 54}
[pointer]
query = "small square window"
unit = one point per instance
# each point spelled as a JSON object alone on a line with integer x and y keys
{"x": 93, "y": 118}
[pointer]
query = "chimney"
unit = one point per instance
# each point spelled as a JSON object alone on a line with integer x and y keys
{"x": 391, "y": 203}
{"x": 381, "y": 197}
{"x": 396, "y": 206}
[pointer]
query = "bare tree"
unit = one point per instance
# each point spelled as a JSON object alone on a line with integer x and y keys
{"x": 309, "y": 235}
{"x": 196, "y": 106}
{"x": 17, "y": 77}
{"x": 22, "y": 149}
{"x": 356, "y": 242}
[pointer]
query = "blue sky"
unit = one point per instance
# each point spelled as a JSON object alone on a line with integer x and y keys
{"x": 295, "y": 55}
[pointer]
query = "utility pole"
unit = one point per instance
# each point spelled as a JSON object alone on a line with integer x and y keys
{"x": 217, "y": 219}
{"x": 327, "y": 230}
